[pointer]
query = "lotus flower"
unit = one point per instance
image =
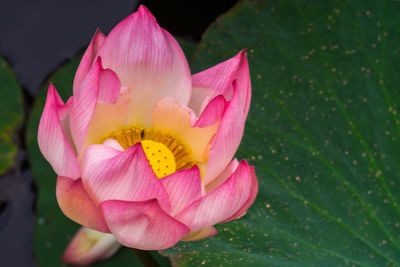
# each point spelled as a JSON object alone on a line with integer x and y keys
{"x": 143, "y": 150}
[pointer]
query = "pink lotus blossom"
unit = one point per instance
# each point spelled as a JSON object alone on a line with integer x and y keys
{"x": 143, "y": 149}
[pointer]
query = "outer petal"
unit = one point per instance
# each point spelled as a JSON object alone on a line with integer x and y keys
{"x": 84, "y": 104}
{"x": 148, "y": 61}
{"x": 88, "y": 59}
{"x": 232, "y": 80}
{"x": 223, "y": 202}
{"x": 213, "y": 112}
{"x": 250, "y": 200}
{"x": 53, "y": 141}
{"x": 109, "y": 174}
{"x": 228, "y": 137}
{"x": 170, "y": 115}
{"x": 218, "y": 81}
{"x": 143, "y": 225}
{"x": 223, "y": 176}
{"x": 183, "y": 188}
{"x": 89, "y": 246}
{"x": 77, "y": 205}
{"x": 99, "y": 88}
{"x": 202, "y": 234}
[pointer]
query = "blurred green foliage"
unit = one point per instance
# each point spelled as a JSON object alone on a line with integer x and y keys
{"x": 10, "y": 116}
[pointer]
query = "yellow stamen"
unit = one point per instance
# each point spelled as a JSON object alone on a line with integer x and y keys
{"x": 165, "y": 151}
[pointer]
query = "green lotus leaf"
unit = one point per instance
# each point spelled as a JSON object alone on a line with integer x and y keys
{"x": 323, "y": 133}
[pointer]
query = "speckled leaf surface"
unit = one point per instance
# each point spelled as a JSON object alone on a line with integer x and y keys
{"x": 10, "y": 116}
{"x": 53, "y": 231}
{"x": 323, "y": 133}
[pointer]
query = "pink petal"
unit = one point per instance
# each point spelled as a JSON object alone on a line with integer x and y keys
{"x": 232, "y": 80}
{"x": 88, "y": 59}
{"x": 251, "y": 198}
{"x": 77, "y": 205}
{"x": 85, "y": 100}
{"x": 109, "y": 174}
{"x": 107, "y": 117}
{"x": 223, "y": 176}
{"x": 221, "y": 203}
{"x": 53, "y": 137}
{"x": 114, "y": 144}
{"x": 171, "y": 116}
{"x": 228, "y": 137}
{"x": 201, "y": 234}
{"x": 142, "y": 225}
{"x": 109, "y": 87}
{"x": 98, "y": 93}
{"x": 89, "y": 246}
{"x": 218, "y": 81}
{"x": 212, "y": 113}
{"x": 148, "y": 61}
{"x": 183, "y": 187}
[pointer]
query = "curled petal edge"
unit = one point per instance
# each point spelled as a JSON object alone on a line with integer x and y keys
{"x": 224, "y": 202}
{"x": 87, "y": 60}
{"x": 76, "y": 204}
{"x": 53, "y": 141}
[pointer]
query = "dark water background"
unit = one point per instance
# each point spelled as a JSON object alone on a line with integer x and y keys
{"x": 36, "y": 37}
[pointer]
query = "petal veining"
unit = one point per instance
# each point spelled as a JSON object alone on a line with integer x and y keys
{"x": 143, "y": 225}
{"x": 148, "y": 61}
{"x": 223, "y": 202}
{"x": 76, "y": 204}
{"x": 111, "y": 174}
{"x": 53, "y": 137}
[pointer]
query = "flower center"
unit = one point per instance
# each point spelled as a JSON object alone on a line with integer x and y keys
{"x": 165, "y": 152}
{"x": 161, "y": 159}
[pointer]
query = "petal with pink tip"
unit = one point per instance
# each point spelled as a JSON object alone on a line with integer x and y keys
{"x": 99, "y": 92}
{"x": 148, "y": 61}
{"x": 85, "y": 100}
{"x": 212, "y": 113}
{"x": 169, "y": 115}
{"x": 201, "y": 234}
{"x": 221, "y": 203}
{"x": 223, "y": 176}
{"x": 183, "y": 188}
{"x": 109, "y": 174}
{"x": 77, "y": 205}
{"x": 228, "y": 137}
{"x": 232, "y": 80}
{"x": 250, "y": 200}
{"x": 109, "y": 87}
{"x": 53, "y": 137}
{"x": 88, "y": 59}
{"x": 142, "y": 225}
{"x": 218, "y": 81}
{"x": 89, "y": 246}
